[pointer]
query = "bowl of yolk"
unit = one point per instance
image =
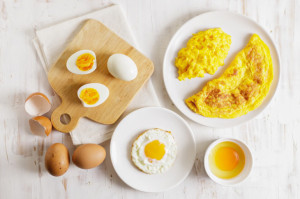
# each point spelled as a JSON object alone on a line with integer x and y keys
{"x": 228, "y": 161}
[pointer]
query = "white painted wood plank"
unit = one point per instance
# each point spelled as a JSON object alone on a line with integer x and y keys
{"x": 273, "y": 137}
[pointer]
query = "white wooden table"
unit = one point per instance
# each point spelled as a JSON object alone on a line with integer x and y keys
{"x": 273, "y": 136}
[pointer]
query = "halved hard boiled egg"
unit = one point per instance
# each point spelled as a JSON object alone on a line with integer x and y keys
{"x": 93, "y": 94}
{"x": 82, "y": 62}
{"x": 154, "y": 151}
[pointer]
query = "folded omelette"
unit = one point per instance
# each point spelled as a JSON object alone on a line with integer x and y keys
{"x": 241, "y": 88}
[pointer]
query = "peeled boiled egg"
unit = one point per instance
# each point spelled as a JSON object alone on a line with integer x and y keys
{"x": 82, "y": 62}
{"x": 88, "y": 156}
{"x": 40, "y": 125}
{"x": 37, "y": 104}
{"x": 93, "y": 94}
{"x": 122, "y": 67}
{"x": 154, "y": 151}
{"x": 226, "y": 160}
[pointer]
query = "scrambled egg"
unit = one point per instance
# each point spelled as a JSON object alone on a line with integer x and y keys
{"x": 241, "y": 88}
{"x": 204, "y": 53}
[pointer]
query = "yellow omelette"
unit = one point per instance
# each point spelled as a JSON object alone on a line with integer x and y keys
{"x": 241, "y": 88}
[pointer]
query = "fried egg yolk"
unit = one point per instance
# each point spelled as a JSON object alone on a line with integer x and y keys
{"x": 89, "y": 96}
{"x": 85, "y": 62}
{"x": 155, "y": 150}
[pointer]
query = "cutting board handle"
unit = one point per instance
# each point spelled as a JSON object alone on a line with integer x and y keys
{"x": 56, "y": 119}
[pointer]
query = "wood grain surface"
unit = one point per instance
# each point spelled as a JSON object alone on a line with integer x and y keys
{"x": 273, "y": 137}
{"x": 96, "y": 37}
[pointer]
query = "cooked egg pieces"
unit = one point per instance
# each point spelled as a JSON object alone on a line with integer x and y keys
{"x": 226, "y": 160}
{"x": 241, "y": 88}
{"x": 93, "y": 94}
{"x": 82, "y": 62}
{"x": 204, "y": 53}
{"x": 154, "y": 151}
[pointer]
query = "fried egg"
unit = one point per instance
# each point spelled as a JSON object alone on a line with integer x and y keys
{"x": 226, "y": 160}
{"x": 204, "y": 53}
{"x": 154, "y": 151}
{"x": 82, "y": 62}
{"x": 241, "y": 88}
{"x": 93, "y": 94}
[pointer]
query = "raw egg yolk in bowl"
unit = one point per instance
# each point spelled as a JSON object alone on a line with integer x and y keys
{"x": 89, "y": 96}
{"x": 85, "y": 62}
{"x": 226, "y": 160}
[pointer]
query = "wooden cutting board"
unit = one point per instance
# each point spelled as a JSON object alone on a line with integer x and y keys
{"x": 98, "y": 38}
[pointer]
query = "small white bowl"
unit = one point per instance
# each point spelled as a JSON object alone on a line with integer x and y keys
{"x": 244, "y": 173}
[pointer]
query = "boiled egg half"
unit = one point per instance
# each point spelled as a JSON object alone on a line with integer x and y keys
{"x": 93, "y": 94}
{"x": 82, "y": 62}
{"x": 154, "y": 151}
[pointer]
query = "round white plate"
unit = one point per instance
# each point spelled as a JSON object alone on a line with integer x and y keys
{"x": 240, "y": 28}
{"x": 128, "y": 130}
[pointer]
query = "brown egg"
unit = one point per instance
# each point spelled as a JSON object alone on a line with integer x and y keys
{"x": 57, "y": 159}
{"x": 88, "y": 156}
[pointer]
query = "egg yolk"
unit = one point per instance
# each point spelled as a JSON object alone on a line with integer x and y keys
{"x": 155, "y": 150}
{"x": 85, "y": 62}
{"x": 226, "y": 158}
{"x": 89, "y": 95}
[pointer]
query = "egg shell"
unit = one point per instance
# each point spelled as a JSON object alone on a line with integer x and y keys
{"x": 40, "y": 125}
{"x": 37, "y": 104}
{"x": 88, "y": 156}
{"x": 57, "y": 159}
{"x": 122, "y": 67}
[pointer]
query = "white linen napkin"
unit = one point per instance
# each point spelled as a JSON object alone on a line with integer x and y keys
{"x": 51, "y": 41}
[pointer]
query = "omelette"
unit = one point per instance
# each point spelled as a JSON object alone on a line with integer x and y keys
{"x": 204, "y": 53}
{"x": 241, "y": 88}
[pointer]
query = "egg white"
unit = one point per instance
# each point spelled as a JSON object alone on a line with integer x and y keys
{"x": 122, "y": 67}
{"x": 156, "y": 166}
{"x": 71, "y": 63}
{"x": 101, "y": 89}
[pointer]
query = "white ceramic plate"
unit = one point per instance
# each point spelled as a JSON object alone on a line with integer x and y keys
{"x": 128, "y": 130}
{"x": 240, "y": 28}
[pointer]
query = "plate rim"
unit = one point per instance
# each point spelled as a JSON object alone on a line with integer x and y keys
{"x": 193, "y": 143}
{"x": 164, "y": 68}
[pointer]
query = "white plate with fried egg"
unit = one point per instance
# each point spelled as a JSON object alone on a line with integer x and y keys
{"x": 155, "y": 121}
{"x": 240, "y": 28}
